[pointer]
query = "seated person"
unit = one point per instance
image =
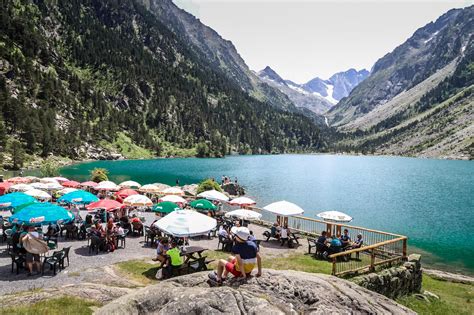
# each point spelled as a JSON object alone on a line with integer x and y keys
{"x": 99, "y": 228}
{"x": 358, "y": 242}
{"x": 174, "y": 259}
{"x": 284, "y": 232}
{"x": 274, "y": 231}
{"x": 345, "y": 239}
{"x": 161, "y": 249}
{"x": 322, "y": 243}
{"x": 336, "y": 246}
{"x": 252, "y": 237}
{"x": 242, "y": 264}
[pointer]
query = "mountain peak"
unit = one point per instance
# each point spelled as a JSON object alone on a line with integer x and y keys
{"x": 271, "y": 74}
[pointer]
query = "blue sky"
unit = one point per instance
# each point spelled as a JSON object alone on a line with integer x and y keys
{"x": 302, "y": 39}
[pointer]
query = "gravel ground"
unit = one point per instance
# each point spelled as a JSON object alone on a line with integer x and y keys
{"x": 82, "y": 262}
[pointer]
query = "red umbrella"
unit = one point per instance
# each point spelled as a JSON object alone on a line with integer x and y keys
{"x": 107, "y": 204}
{"x": 4, "y": 187}
{"x": 19, "y": 180}
{"x": 71, "y": 184}
{"x": 89, "y": 184}
{"x": 124, "y": 193}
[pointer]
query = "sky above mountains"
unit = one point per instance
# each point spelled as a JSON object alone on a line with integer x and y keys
{"x": 301, "y": 39}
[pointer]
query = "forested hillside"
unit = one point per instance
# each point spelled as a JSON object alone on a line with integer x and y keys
{"x": 77, "y": 74}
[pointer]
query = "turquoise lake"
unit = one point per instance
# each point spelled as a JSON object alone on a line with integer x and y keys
{"x": 430, "y": 201}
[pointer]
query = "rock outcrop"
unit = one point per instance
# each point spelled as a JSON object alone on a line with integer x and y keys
{"x": 276, "y": 292}
{"x": 447, "y": 276}
{"x": 233, "y": 189}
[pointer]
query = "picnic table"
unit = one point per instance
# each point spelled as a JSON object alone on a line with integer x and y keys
{"x": 193, "y": 258}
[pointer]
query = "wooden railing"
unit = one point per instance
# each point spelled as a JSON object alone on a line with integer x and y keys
{"x": 380, "y": 248}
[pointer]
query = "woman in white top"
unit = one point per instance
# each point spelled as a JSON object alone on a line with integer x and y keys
{"x": 284, "y": 232}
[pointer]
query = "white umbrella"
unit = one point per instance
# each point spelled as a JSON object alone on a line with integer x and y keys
{"x": 39, "y": 185}
{"x": 66, "y": 190}
{"x": 173, "y": 198}
{"x": 20, "y": 187}
{"x": 335, "y": 216}
{"x": 61, "y": 179}
{"x": 38, "y": 194}
{"x": 53, "y": 186}
{"x": 242, "y": 202}
{"x": 130, "y": 184}
{"x": 284, "y": 208}
{"x": 213, "y": 195}
{"x": 138, "y": 201}
{"x": 150, "y": 188}
{"x": 106, "y": 185}
{"x": 186, "y": 223}
{"x": 244, "y": 214}
{"x": 48, "y": 180}
{"x": 173, "y": 191}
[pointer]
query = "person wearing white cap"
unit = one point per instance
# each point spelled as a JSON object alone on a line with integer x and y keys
{"x": 242, "y": 264}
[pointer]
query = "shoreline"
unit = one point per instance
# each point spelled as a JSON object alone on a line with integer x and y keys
{"x": 62, "y": 161}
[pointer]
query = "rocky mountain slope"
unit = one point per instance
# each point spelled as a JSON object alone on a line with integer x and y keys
{"x": 418, "y": 99}
{"x": 75, "y": 74}
{"x": 276, "y": 292}
{"x": 219, "y": 52}
{"x": 317, "y": 95}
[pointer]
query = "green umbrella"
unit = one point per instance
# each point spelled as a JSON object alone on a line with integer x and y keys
{"x": 166, "y": 207}
{"x": 203, "y": 204}
{"x": 20, "y": 207}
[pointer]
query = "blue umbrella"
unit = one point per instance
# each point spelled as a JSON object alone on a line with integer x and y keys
{"x": 15, "y": 199}
{"x": 42, "y": 213}
{"x": 78, "y": 197}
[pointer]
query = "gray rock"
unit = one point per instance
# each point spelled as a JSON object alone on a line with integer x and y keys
{"x": 447, "y": 276}
{"x": 276, "y": 292}
{"x": 190, "y": 190}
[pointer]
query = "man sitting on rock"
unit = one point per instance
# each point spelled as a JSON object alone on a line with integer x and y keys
{"x": 242, "y": 264}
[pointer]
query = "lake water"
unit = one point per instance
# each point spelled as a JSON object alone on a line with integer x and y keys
{"x": 430, "y": 201}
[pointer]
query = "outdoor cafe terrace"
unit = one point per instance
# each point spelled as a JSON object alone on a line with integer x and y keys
{"x": 380, "y": 249}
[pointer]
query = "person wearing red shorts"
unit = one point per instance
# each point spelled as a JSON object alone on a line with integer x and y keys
{"x": 244, "y": 261}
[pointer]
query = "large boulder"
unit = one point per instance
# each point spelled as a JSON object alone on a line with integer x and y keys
{"x": 233, "y": 189}
{"x": 276, "y": 292}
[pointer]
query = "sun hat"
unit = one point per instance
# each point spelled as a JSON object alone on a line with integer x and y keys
{"x": 242, "y": 232}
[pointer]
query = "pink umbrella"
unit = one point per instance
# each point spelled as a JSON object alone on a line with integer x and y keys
{"x": 107, "y": 204}
{"x": 89, "y": 184}
{"x": 71, "y": 184}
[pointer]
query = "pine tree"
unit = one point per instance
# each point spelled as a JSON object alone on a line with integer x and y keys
{"x": 17, "y": 154}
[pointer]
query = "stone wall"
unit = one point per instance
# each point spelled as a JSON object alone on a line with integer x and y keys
{"x": 396, "y": 281}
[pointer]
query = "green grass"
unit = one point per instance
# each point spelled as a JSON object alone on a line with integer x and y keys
{"x": 144, "y": 272}
{"x": 58, "y": 306}
{"x": 138, "y": 270}
{"x": 297, "y": 262}
{"x": 125, "y": 146}
{"x": 455, "y": 298}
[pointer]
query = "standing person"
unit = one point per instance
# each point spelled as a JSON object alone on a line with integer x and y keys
{"x": 34, "y": 246}
{"x": 242, "y": 264}
{"x": 177, "y": 181}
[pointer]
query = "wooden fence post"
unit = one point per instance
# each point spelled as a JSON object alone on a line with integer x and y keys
{"x": 372, "y": 260}
{"x": 334, "y": 266}
{"x": 404, "y": 248}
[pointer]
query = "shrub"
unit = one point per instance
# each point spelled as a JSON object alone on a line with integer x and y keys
{"x": 49, "y": 168}
{"x": 208, "y": 184}
{"x": 99, "y": 175}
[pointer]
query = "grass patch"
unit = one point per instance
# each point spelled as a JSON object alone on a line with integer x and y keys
{"x": 139, "y": 271}
{"x": 455, "y": 298}
{"x": 58, "y": 306}
{"x": 125, "y": 146}
{"x": 74, "y": 274}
